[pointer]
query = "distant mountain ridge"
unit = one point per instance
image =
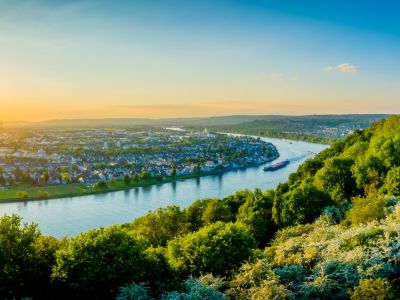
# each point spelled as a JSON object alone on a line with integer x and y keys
{"x": 201, "y": 121}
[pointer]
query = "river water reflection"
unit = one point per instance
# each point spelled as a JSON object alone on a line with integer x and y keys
{"x": 70, "y": 216}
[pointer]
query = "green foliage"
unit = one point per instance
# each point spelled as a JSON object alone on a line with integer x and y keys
{"x": 363, "y": 239}
{"x": 99, "y": 261}
{"x": 22, "y": 195}
{"x": 25, "y": 259}
{"x": 367, "y": 209}
{"x": 377, "y": 289}
{"x": 100, "y": 185}
{"x": 195, "y": 290}
{"x": 217, "y": 248}
{"x": 42, "y": 194}
{"x": 145, "y": 175}
{"x": 215, "y": 211}
{"x": 392, "y": 182}
{"x": 127, "y": 179}
{"x": 133, "y": 291}
{"x": 255, "y": 214}
{"x": 336, "y": 178}
{"x": 257, "y": 281}
{"x": 300, "y": 205}
{"x": 161, "y": 225}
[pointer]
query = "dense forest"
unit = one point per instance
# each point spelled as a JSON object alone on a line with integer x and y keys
{"x": 330, "y": 232}
{"x": 325, "y": 129}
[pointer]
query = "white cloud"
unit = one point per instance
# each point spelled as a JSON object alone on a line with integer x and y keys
{"x": 347, "y": 68}
{"x": 343, "y": 68}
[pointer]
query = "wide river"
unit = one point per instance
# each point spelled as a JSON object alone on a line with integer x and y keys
{"x": 70, "y": 216}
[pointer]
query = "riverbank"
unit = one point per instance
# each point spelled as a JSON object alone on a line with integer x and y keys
{"x": 24, "y": 193}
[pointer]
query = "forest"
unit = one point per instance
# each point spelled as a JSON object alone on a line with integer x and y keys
{"x": 332, "y": 231}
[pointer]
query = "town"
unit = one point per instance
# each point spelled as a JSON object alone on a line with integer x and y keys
{"x": 58, "y": 156}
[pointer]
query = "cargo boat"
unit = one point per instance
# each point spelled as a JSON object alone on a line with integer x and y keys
{"x": 277, "y": 165}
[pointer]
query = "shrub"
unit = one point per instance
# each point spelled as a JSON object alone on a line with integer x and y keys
{"x": 367, "y": 209}
{"x": 100, "y": 185}
{"x": 145, "y": 174}
{"x": 195, "y": 290}
{"x": 42, "y": 194}
{"x": 22, "y": 195}
{"x": 133, "y": 291}
{"x": 362, "y": 239}
{"x": 377, "y": 289}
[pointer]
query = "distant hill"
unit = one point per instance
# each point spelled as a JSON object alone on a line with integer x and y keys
{"x": 196, "y": 122}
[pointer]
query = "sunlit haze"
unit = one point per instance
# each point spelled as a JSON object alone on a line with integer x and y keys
{"x": 158, "y": 59}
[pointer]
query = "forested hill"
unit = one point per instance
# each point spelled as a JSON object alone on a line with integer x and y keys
{"x": 332, "y": 231}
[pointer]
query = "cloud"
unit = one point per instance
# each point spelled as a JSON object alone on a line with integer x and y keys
{"x": 342, "y": 68}
{"x": 347, "y": 68}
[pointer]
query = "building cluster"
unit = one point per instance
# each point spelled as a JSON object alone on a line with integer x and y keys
{"x": 49, "y": 157}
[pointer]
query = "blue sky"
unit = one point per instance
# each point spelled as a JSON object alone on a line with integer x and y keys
{"x": 71, "y": 59}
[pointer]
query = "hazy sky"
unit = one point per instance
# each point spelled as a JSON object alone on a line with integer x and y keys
{"x": 87, "y": 59}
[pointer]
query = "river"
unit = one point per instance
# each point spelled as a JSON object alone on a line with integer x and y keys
{"x": 71, "y": 216}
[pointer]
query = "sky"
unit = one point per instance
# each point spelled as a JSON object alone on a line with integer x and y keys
{"x": 168, "y": 58}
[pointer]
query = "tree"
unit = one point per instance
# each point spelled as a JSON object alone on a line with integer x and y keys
{"x": 145, "y": 174}
{"x": 96, "y": 263}
{"x": 45, "y": 177}
{"x": 217, "y": 248}
{"x": 173, "y": 171}
{"x": 392, "y": 182}
{"x": 256, "y": 215}
{"x": 26, "y": 258}
{"x": 161, "y": 225}
{"x": 66, "y": 177}
{"x": 197, "y": 169}
{"x": 100, "y": 185}
{"x": 136, "y": 178}
{"x": 127, "y": 179}
{"x": 216, "y": 211}
{"x": 336, "y": 178}
{"x": 300, "y": 205}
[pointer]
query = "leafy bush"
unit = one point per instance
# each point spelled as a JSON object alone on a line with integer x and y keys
{"x": 133, "y": 291}
{"x": 25, "y": 259}
{"x": 22, "y": 195}
{"x": 216, "y": 211}
{"x": 367, "y": 209}
{"x": 217, "y": 248}
{"x": 42, "y": 194}
{"x": 392, "y": 182}
{"x": 98, "y": 262}
{"x": 195, "y": 290}
{"x": 377, "y": 289}
{"x": 100, "y": 185}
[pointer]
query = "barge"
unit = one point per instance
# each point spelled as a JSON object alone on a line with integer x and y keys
{"x": 277, "y": 166}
